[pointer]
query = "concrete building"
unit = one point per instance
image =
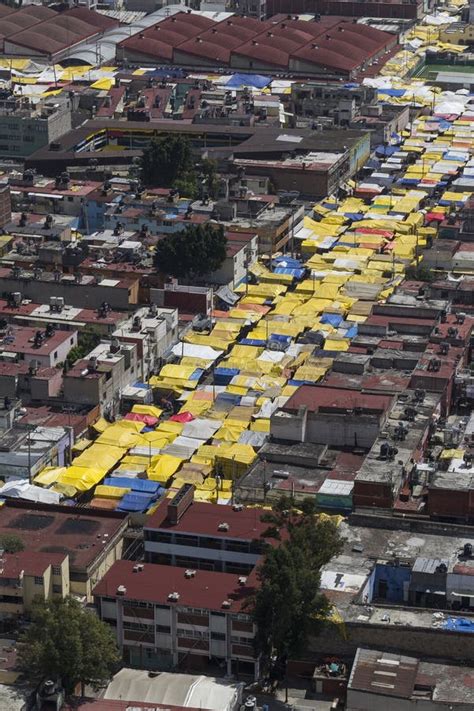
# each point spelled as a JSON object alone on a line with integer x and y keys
{"x": 26, "y": 127}
{"x": 242, "y": 252}
{"x": 333, "y": 416}
{"x": 166, "y": 617}
{"x": 25, "y": 312}
{"x": 82, "y": 291}
{"x": 203, "y": 536}
{"x": 382, "y": 599}
{"x": 44, "y": 348}
{"x": 26, "y": 450}
{"x": 405, "y": 683}
{"x": 5, "y": 205}
{"x": 458, "y": 33}
{"x": 103, "y": 376}
{"x": 152, "y": 330}
{"x": 89, "y": 540}
{"x": 26, "y": 576}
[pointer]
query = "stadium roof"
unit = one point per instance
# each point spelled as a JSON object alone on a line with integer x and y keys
{"x": 331, "y": 43}
{"x": 51, "y": 32}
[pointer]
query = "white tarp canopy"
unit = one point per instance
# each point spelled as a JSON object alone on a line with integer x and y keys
{"x": 202, "y": 428}
{"x": 23, "y": 490}
{"x": 190, "y": 350}
{"x": 184, "y": 690}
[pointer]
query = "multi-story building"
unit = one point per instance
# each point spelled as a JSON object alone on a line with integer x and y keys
{"x": 101, "y": 378}
{"x": 5, "y": 205}
{"x": 25, "y": 127}
{"x": 152, "y": 330}
{"x": 89, "y": 542}
{"x": 167, "y": 617}
{"x": 46, "y": 348}
{"x": 187, "y": 533}
{"x": 27, "y": 575}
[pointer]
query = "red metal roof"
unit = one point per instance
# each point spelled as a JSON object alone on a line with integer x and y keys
{"x": 204, "y": 519}
{"x": 29, "y": 562}
{"x": 61, "y": 31}
{"x": 23, "y": 341}
{"x": 207, "y": 590}
{"x": 341, "y": 45}
{"x": 57, "y": 529}
{"x": 317, "y": 398}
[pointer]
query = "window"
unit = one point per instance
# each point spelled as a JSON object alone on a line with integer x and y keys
{"x": 187, "y": 540}
{"x": 55, "y": 355}
{"x": 70, "y": 198}
{"x": 71, "y": 341}
{"x": 193, "y": 610}
{"x": 135, "y": 625}
{"x": 57, "y": 589}
{"x": 218, "y": 636}
{"x": 215, "y": 543}
{"x": 192, "y": 634}
{"x": 56, "y": 570}
{"x": 38, "y": 580}
{"x": 163, "y": 629}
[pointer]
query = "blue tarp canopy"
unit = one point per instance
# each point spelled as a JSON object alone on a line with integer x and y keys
{"x": 333, "y": 319}
{"x": 354, "y": 216}
{"x": 392, "y": 92}
{"x": 386, "y": 150}
{"x": 258, "y": 81}
{"x": 459, "y": 624}
{"x": 289, "y": 262}
{"x": 135, "y": 502}
{"x": 223, "y": 376}
{"x": 296, "y": 273}
{"x": 144, "y": 486}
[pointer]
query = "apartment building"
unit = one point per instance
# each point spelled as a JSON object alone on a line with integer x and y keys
{"x": 101, "y": 378}
{"x": 90, "y": 541}
{"x": 172, "y": 618}
{"x": 152, "y": 330}
{"x": 187, "y": 533}
{"x": 27, "y": 575}
{"x": 26, "y": 127}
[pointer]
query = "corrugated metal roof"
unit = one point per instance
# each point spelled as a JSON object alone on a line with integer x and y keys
{"x": 384, "y": 674}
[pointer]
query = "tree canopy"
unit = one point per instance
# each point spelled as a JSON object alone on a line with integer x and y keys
{"x": 197, "y": 250}
{"x": 67, "y": 642}
{"x": 168, "y": 163}
{"x": 288, "y": 605}
{"x": 11, "y": 543}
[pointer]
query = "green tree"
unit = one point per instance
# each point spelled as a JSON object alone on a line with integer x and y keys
{"x": 197, "y": 250}
{"x": 86, "y": 342}
{"x": 288, "y": 605}
{"x": 168, "y": 162}
{"x": 209, "y": 171}
{"x": 67, "y": 642}
{"x": 11, "y": 543}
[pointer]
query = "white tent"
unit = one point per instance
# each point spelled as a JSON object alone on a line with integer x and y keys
{"x": 186, "y": 690}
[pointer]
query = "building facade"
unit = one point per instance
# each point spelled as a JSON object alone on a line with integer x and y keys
{"x": 169, "y": 618}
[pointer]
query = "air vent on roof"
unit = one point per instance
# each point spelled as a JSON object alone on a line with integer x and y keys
{"x": 121, "y": 590}
{"x": 238, "y": 507}
{"x": 188, "y": 573}
{"x": 226, "y": 604}
{"x": 242, "y": 579}
{"x": 223, "y": 526}
{"x": 173, "y": 597}
{"x": 138, "y": 568}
